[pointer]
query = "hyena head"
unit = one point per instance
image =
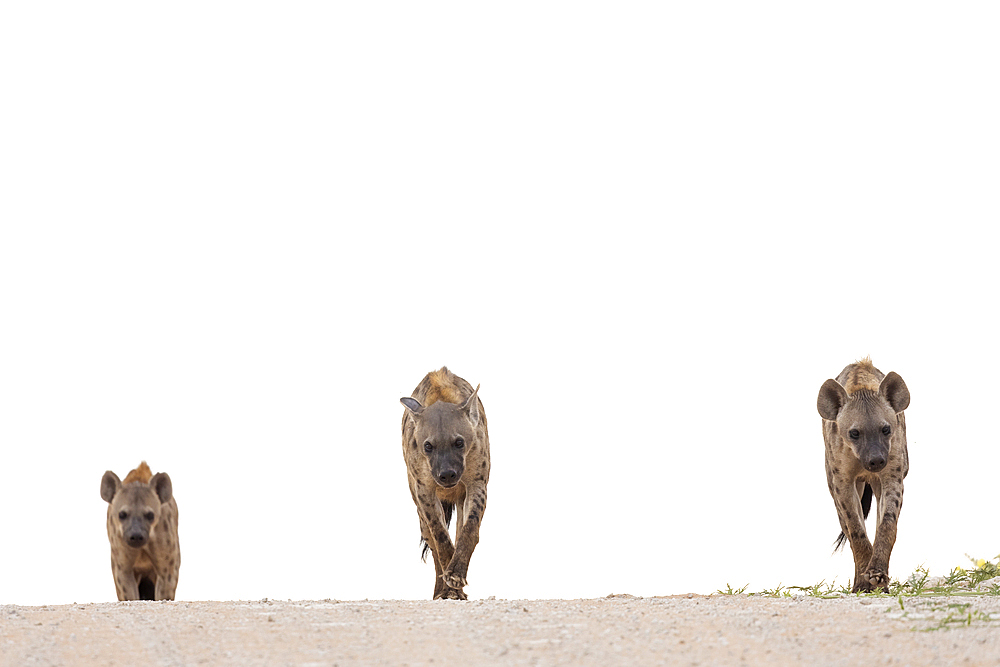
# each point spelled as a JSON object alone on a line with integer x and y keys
{"x": 445, "y": 432}
{"x": 866, "y": 418}
{"x": 135, "y": 508}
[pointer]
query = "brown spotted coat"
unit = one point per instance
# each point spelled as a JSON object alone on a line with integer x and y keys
{"x": 446, "y": 447}
{"x": 142, "y": 529}
{"x": 865, "y": 435}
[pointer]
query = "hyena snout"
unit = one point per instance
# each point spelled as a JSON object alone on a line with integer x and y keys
{"x": 874, "y": 459}
{"x": 137, "y": 538}
{"x": 136, "y": 534}
{"x": 448, "y": 473}
{"x": 875, "y": 462}
{"x": 448, "y": 477}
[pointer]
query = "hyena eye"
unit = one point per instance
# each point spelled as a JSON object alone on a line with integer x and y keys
{"x": 460, "y": 443}
{"x": 886, "y": 430}
{"x": 123, "y": 515}
{"x": 150, "y": 516}
{"x": 428, "y": 447}
{"x": 854, "y": 433}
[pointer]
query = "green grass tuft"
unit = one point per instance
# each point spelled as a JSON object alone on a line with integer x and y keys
{"x": 960, "y": 581}
{"x": 733, "y": 591}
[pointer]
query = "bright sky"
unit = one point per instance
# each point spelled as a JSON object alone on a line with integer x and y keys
{"x": 234, "y": 234}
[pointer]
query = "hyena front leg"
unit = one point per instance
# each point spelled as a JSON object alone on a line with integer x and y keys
{"x": 889, "y": 504}
{"x": 126, "y": 584}
{"x": 166, "y": 581}
{"x": 440, "y": 590}
{"x": 435, "y": 532}
{"x": 165, "y": 587}
{"x": 459, "y": 518}
{"x": 467, "y": 536}
{"x": 852, "y": 523}
{"x": 425, "y": 535}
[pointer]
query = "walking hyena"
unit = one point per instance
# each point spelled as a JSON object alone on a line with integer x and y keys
{"x": 447, "y": 452}
{"x": 142, "y": 528}
{"x": 865, "y": 434}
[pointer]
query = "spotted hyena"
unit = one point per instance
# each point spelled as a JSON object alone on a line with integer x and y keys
{"x": 865, "y": 435}
{"x": 447, "y": 452}
{"x": 142, "y": 528}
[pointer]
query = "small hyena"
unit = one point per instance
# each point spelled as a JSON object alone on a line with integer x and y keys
{"x": 142, "y": 528}
{"x": 865, "y": 435}
{"x": 447, "y": 452}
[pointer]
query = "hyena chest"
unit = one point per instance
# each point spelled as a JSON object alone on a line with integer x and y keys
{"x": 143, "y": 564}
{"x": 454, "y": 495}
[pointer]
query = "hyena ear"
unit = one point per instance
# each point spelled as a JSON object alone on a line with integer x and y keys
{"x": 832, "y": 397}
{"x": 160, "y": 482}
{"x": 895, "y": 391}
{"x": 110, "y": 485}
{"x": 471, "y": 407}
{"x": 412, "y": 404}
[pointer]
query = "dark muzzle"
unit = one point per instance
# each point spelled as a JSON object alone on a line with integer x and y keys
{"x": 137, "y": 539}
{"x": 448, "y": 478}
{"x": 875, "y": 462}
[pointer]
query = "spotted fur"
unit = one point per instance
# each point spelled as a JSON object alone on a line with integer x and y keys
{"x": 142, "y": 530}
{"x": 864, "y": 431}
{"x": 446, "y": 447}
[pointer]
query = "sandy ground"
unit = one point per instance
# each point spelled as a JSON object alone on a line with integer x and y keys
{"x": 620, "y": 630}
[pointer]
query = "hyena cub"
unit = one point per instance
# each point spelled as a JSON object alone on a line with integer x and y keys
{"x": 865, "y": 435}
{"x": 142, "y": 528}
{"x": 447, "y": 452}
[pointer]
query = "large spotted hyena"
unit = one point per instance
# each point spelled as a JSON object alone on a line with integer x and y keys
{"x": 142, "y": 529}
{"x": 447, "y": 452}
{"x": 865, "y": 434}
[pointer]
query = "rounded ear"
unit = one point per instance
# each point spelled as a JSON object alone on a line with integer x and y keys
{"x": 895, "y": 391}
{"x": 160, "y": 482}
{"x": 471, "y": 407}
{"x": 110, "y": 485}
{"x": 832, "y": 397}
{"x": 412, "y": 404}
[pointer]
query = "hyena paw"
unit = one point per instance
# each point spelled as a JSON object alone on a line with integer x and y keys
{"x": 452, "y": 580}
{"x": 451, "y": 594}
{"x": 876, "y": 578}
{"x": 862, "y": 586}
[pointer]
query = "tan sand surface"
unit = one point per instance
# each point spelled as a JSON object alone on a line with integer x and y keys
{"x": 618, "y": 630}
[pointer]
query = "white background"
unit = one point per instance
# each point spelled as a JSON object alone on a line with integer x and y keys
{"x": 234, "y": 234}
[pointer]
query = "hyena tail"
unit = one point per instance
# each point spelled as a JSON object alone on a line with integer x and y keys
{"x": 448, "y": 509}
{"x": 866, "y": 505}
